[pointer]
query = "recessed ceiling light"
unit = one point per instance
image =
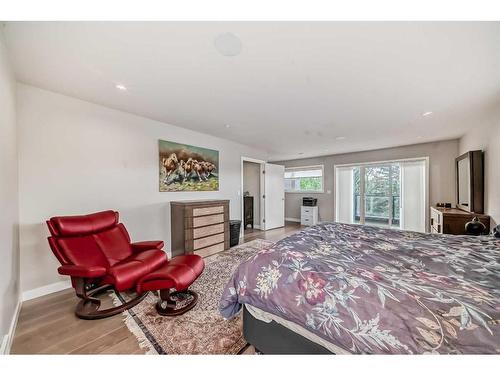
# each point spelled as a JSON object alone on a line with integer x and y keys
{"x": 426, "y": 114}
{"x": 340, "y": 138}
{"x": 228, "y": 126}
{"x": 121, "y": 87}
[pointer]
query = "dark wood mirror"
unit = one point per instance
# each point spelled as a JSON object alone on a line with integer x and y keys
{"x": 470, "y": 182}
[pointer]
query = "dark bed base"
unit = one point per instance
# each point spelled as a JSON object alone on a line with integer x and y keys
{"x": 273, "y": 338}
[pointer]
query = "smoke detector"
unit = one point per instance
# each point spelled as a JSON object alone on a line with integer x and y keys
{"x": 228, "y": 44}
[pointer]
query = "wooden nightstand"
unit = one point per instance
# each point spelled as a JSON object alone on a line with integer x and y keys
{"x": 453, "y": 220}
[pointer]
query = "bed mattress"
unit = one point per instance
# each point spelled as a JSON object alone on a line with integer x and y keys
{"x": 267, "y": 317}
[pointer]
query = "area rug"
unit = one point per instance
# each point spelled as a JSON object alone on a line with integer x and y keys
{"x": 201, "y": 330}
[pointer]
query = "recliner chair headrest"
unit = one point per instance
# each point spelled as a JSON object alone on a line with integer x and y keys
{"x": 82, "y": 224}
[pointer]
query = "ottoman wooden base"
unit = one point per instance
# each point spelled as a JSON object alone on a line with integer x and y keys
{"x": 176, "y": 303}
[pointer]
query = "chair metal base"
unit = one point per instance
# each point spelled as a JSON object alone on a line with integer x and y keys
{"x": 88, "y": 307}
{"x": 176, "y": 303}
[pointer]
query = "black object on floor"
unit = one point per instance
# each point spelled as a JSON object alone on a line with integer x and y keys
{"x": 475, "y": 227}
{"x": 234, "y": 232}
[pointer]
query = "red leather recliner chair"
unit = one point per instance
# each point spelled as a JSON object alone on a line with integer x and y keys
{"x": 96, "y": 252}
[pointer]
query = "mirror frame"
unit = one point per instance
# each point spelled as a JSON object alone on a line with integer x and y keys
{"x": 476, "y": 182}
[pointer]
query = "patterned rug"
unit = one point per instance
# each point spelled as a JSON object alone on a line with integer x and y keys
{"x": 201, "y": 330}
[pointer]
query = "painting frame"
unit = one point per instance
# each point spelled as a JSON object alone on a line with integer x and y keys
{"x": 187, "y": 168}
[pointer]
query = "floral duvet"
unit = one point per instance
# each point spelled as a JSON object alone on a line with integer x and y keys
{"x": 372, "y": 290}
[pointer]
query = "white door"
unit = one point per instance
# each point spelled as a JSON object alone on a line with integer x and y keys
{"x": 274, "y": 196}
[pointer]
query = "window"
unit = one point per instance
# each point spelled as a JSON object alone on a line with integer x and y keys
{"x": 304, "y": 179}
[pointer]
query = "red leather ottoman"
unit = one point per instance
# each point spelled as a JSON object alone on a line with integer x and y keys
{"x": 179, "y": 273}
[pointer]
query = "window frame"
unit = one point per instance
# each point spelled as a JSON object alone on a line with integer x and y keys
{"x": 307, "y": 167}
{"x": 425, "y": 159}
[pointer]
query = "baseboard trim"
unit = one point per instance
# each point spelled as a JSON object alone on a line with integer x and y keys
{"x": 9, "y": 337}
{"x": 46, "y": 289}
{"x": 294, "y": 219}
{"x": 3, "y": 347}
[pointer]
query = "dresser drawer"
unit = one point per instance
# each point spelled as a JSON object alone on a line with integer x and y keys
{"x": 436, "y": 220}
{"x": 208, "y": 231}
{"x": 207, "y": 220}
{"x": 207, "y": 251}
{"x": 306, "y": 220}
{"x": 207, "y": 241}
{"x": 308, "y": 210}
{"x": 201, "y": 211}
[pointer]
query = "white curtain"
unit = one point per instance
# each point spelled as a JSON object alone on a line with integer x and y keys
{"x": 344, "y": 195}
{"x": 413, "y": 195}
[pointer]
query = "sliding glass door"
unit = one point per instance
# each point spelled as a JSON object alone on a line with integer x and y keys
{"x": 378, "y": 193}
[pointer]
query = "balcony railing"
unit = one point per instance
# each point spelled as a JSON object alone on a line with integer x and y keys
{"x": 377, "y": 208}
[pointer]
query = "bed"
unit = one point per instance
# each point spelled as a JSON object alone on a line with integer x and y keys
{"x": 362, "y": 289}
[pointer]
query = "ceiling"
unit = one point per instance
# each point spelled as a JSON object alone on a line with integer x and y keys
{"x": 294, "y": 89}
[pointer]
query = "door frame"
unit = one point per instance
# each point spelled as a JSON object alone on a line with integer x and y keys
{"x": 364, "y": 164}
{"x": 262, "y": 164}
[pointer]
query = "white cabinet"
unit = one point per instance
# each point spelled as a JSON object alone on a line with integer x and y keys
{"x": 308, "y": 215}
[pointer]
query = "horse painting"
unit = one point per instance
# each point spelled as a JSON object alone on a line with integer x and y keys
{"x": 187, "y": 168}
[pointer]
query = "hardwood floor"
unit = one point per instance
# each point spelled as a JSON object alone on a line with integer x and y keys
{"x": 48, "y": 325}
{"x": 272, "y": 235}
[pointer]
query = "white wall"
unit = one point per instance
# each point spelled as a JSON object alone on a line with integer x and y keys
{"x": 77, "y": 157}
{"x": 487, "y": 138}
{"x": 251, "y": 183}
{"x": 9, "y": 235}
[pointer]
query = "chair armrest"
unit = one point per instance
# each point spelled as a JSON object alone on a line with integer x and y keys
{"x": 147, "y": 245}
{"x": 80, "y": 271}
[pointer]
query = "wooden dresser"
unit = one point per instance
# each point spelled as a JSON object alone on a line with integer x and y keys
{"x": 453, "y": 220}
{"x": 199, "y": 227}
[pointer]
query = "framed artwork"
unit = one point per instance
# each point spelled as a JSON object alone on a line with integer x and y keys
{"x": 187, "y": 168}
